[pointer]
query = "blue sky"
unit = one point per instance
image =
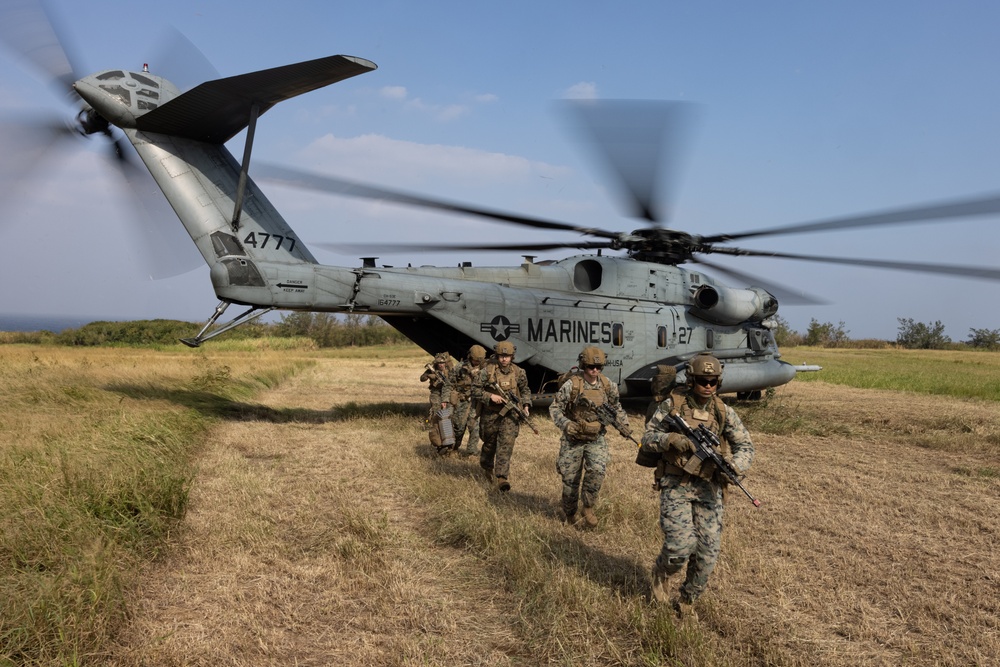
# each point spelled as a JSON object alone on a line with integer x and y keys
{"x": 810, "y": 110}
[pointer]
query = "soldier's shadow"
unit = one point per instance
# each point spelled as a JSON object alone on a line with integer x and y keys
{"x": 627, "y": 576}
{"x": 215, "y": 405}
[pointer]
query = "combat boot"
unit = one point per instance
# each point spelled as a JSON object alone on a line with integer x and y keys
{"x": 589, "y": 518}
{"x": 684, "y": 609}
{"x": 503, "y": 484}
{"x": 661, "y": 585}
{"x": 570, "y": 518}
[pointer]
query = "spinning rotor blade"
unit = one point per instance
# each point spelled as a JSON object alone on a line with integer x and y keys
{"x": 960, "y": 208}
{"x": 980, "y": 272}
{"x": 28, "y": 30}
{"x": 393, "y": 248}
{"x": 339, "y": 186}
{"x": 782, "y": 294}
{"x": 641, "y": 143}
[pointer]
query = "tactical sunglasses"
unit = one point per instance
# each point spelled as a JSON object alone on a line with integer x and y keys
{"x": 707, "y": 381}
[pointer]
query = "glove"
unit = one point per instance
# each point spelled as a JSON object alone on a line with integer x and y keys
{"x": 681, "y": 443}
{"x": 729, "y": 459}
{"x": 573, "y": 430}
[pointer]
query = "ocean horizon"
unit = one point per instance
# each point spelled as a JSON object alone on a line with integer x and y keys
{"x": 53, "y": 323}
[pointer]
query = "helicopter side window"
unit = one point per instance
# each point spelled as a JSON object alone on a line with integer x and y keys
{"x": 709, "y": 338}
{"x": 617, "y": 335}
{"x": 587, "y": 275}
{"x": 661, "y": 336}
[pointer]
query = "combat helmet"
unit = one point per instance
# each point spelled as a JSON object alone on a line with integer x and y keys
{"x": 477, "y": 352}
{"x": 504, "y": 347}
{"x": 661, "y": 383}
{"x": 592, "y": 356}
{"x": 704, "y": 365}
{"x": 442, "y": 358}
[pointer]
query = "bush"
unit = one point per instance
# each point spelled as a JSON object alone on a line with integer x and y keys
{"x": 919, "y": 336}
{"x": 987, "y": 339}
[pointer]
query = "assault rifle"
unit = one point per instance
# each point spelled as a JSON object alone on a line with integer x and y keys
{"x": 433, "y": 369}
{"x": 705, "y": 443}
{"x": 511, "y": 404}
{"x": 608, "y": 416}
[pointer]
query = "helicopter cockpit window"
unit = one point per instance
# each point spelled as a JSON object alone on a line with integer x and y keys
{"x": 113, "y": 74}
{"x": 587, "y": 275}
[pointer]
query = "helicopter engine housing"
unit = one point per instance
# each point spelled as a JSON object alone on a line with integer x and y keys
{"x": 728, "y": 306}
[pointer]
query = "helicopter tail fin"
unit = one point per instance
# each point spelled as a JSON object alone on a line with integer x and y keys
{"x": 181, "y": 137}
{"x": 215, "y": 111}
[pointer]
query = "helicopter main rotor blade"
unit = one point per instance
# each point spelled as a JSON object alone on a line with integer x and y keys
{"x": 339, "y": 186}
{"x": 980, "y": 272}
{"x": 960, "y": 208}
{"x": 641, "y": 143}
{"x": 393, "y": 248}
{"x": 782, "y": 294}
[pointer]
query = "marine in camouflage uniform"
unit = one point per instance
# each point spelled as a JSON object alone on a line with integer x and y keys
{"x": 691, "y": 492}
{"x": 498, "y": 426}
{"x": 583, "y": 451}
{"x": 438, "y": 374}
{"x": 466, "y": 416}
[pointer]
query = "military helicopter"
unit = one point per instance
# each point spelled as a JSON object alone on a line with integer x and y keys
{"x": 642, "y": 307}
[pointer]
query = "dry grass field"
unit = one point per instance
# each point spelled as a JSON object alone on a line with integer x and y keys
{"x": 321, "y": 530}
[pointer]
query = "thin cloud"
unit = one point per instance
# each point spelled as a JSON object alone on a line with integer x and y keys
{"x": 585, "y": 90}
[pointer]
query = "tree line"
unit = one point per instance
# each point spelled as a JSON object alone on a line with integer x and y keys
{"x": 325, "y": 329}
{"x": 911, "y": 335}
{"x": 355, "y": 330}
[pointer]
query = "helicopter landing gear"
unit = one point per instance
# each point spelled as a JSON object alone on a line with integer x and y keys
{"x": 253, "y": 313}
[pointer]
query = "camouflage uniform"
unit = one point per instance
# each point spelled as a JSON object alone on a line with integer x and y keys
{"x": 440, "y": 392}
{"x": 691, "y": 505}
{"x": 583, "y": 457}
{"x": 498, "y": 427}
{"x": 465, "y": 415}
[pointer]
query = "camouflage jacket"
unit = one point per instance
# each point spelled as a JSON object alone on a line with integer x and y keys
{"x": 566, "y": 407}
{"x": 716, "y": 415}
{"x": 512, "y": 379}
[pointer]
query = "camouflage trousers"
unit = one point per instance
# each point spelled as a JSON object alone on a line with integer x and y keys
{"x": 582, "y": 466}
{"x": 691, "y": 512}
{"x": 498, "y": 435}
{"x": 465, "y": 418}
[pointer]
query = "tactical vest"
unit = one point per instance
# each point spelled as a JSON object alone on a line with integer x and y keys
{"x": 713, "y": 416}
{"x": 506, "y": 381}
{"x": 597, "y": 395}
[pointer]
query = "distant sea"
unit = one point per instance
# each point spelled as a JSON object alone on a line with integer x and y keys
{"x": 53, "y": 323}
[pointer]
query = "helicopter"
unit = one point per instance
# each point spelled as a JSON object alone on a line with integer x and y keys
{"x": 644, "y": 307}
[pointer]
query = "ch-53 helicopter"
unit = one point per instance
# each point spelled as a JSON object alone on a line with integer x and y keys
{"x": 643, "y": 307}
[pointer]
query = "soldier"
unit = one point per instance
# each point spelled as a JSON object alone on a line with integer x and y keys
{"x": 438, "y": 374}
{"x": 583, "y": 451}
{"x": 465, "y": 415}
{"x": 691, "y": 492}
{"x": 660, "y": 386}
{"x": 498, "y": 425}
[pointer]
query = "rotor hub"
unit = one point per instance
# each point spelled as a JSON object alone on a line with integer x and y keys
{"x": 665, "y": 246}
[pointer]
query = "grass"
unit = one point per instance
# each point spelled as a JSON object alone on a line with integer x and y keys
{"x": 968, "y": 374}
{"x": 93, "y": 480}
{"x": 315, "y": 526}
